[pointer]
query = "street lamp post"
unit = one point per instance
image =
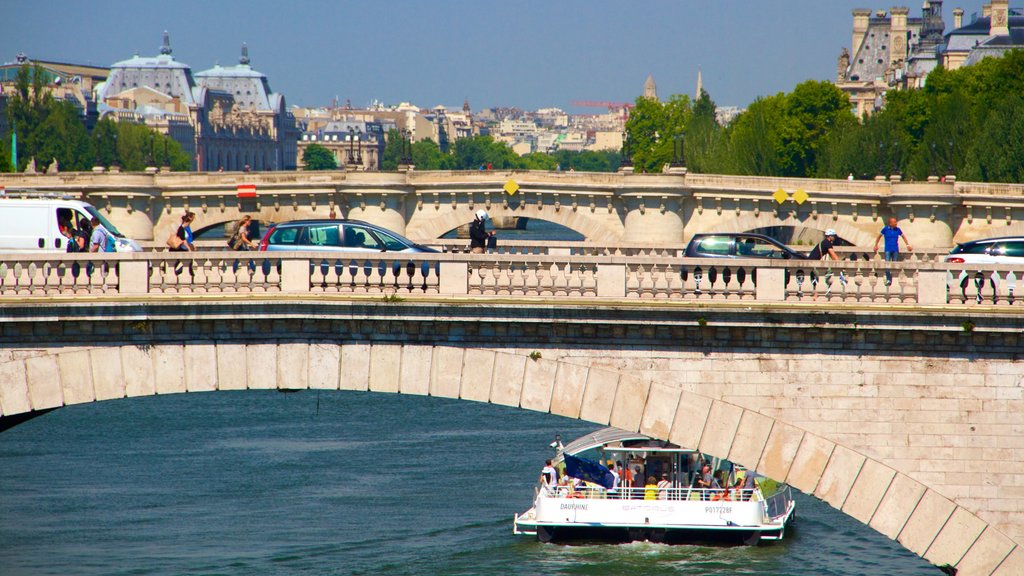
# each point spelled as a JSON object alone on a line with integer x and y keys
{"x": 152, "y": 148}
{"x": 678, "y": 150}
{"x": 406, "y": 155}
{"x": 359, "y": 151}
{"x": 627, "y": 157}
{"x": 351, "y": 145}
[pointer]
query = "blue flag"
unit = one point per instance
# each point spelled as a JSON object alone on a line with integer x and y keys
{"x": 589, "y": 471}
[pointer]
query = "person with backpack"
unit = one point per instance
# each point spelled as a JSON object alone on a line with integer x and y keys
{"x": 76, "y": 241}
{"x": 101, "y": 240}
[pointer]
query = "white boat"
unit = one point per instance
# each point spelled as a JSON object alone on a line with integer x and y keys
{"x": 674, "y": 512}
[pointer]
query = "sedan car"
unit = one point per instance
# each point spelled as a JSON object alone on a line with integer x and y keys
{"x": 336, "y": 236}
{"x": 1005, "y": 250}
{"x": 739, "y": 245}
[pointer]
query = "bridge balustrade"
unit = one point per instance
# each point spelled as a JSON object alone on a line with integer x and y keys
{"x": 848, "y": 282}
{"x": 585, "y": 248}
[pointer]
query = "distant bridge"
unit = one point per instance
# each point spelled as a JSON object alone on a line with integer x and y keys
{"x": 604, "y": 207}
{"x": 901, "y": 405}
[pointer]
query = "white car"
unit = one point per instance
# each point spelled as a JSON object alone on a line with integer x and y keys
{"x": 1005, "y": 250}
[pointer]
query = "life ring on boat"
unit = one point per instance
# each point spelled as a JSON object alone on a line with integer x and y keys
{"x": 722, "y": 496}
{"x": 575, "y": 495}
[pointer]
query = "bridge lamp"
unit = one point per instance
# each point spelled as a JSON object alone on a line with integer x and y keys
{"x": 627, "y": 158}
{"x": 678, "y": 150}
{"x": 351, "y": 144}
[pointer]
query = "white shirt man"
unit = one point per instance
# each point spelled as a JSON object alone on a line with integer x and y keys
{"x": 548, "y": 474}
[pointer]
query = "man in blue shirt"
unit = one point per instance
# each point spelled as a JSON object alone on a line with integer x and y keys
{"x": 892, "y": 234}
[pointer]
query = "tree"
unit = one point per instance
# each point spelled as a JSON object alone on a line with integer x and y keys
{"x": 705, "y": 138}
{"x": 46, "y": 129}
{"x": 651, "y": 129}
{"x": 476, "y": 151}
{"x": 998, "y": 152}
{"x": 811, "y": 112}
{"x": 754, "y": 138}
{"x": 316, "y": 157}
{"x": 392, "y": 155}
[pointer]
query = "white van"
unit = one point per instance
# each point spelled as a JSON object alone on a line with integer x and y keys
{"x": 30, "y": 224}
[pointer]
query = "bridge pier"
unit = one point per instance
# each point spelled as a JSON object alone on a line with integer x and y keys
{"x": 130, "y": 211}
{"x": 385, "y": 208}
{"x": 653, "y": 217}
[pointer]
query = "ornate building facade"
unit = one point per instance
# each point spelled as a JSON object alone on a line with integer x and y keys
{"x": 234, "y": 121}
{"x": 892, "y": 51}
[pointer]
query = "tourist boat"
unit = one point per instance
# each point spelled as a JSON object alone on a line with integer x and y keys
{"x": 676, "y": 512}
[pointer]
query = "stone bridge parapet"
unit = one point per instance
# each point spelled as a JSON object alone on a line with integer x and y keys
{"x": 604, "y": 207}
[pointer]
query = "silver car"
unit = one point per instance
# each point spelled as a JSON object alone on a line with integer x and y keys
{"x": 336, "y": 236}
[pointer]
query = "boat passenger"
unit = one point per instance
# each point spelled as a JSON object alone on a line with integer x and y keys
{"x": 548, "y": 475}
{"x": 613, "y": 492}
{"x": 651, "y": 489}
{"x": 663, "y": 486}
{"x": 707, "y": 481}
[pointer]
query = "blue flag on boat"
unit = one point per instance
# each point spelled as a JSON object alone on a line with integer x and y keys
{"x": 589, "y": 471}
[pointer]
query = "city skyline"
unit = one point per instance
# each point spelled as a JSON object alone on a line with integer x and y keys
{"x": 529, "y": 56}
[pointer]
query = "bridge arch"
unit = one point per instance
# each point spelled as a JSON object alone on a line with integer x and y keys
{"x": 856, "y": 233}
{"x": 889, "y": 501}
{"x": 597, "y": 225}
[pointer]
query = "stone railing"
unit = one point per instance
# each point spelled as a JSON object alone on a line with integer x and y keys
{"x": 856, "y": 282}
{"x": 572, "y": 248}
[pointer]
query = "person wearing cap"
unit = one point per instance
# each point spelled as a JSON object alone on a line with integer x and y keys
{"x": 825, "y": 248}
{"x": 663, "y": 486}
{"x": 478, "y": 233}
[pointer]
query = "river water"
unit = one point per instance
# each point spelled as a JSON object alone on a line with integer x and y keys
{"x": 263, "y": 482}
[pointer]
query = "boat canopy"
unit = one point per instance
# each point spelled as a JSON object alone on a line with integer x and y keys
{"x": 605, "y": 436}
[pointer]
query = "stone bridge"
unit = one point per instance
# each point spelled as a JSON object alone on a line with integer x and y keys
{"x": 905, "y": 411}
{"x": 603, "y": 207}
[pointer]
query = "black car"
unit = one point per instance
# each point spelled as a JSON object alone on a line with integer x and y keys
{"x": 739, "y": 245}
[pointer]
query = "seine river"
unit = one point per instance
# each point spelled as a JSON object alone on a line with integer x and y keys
{"x": 263, "y": 482}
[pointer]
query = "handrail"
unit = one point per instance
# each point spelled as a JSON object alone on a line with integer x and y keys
{"x": 572, "y": 276}
{"x": 653, "y": 493}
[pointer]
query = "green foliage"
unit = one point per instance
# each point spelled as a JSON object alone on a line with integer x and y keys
{"x": 482, "y": 151}
{"x": 316, "y": 157}
{"x": 651, "y": 129}
{"x": 966, "y": 122}
{"x": 48, "y": 129}
{"x": 392, "y": 155}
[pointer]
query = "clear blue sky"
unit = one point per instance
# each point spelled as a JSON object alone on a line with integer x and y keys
{"x": 529, "y": 54}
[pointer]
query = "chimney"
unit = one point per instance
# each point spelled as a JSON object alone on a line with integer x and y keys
{"x": 1000, "y": 23}
{"x": 986, "y": 10}
{"x": 898, "y": 35}
{"x": 958, "y": 18}
{"x": 860, "y": 29}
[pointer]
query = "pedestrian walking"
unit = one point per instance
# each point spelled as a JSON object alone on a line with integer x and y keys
{"x": 892, "y": 234}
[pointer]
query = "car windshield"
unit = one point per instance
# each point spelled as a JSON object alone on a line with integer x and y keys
{"x": 715, "y": 245}
{"x": 971, "y": 248}
{"x": 392, "y": 243}
{"x": 106, "y": 223}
